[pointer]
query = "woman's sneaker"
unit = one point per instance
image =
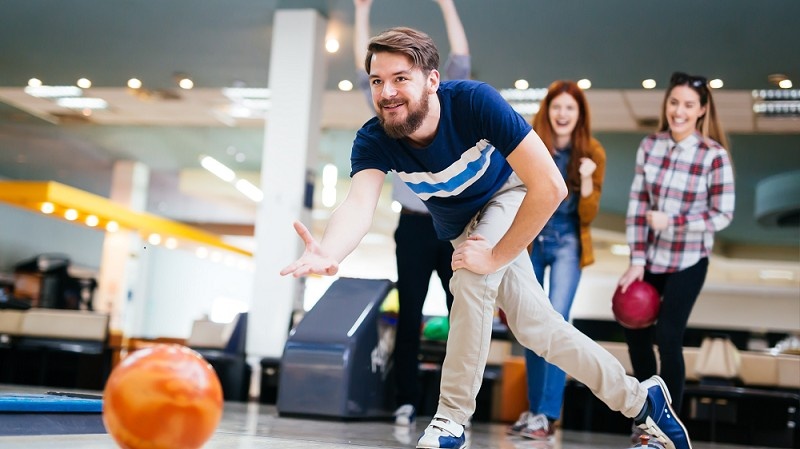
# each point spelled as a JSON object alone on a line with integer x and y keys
{"x": 538, "y": 427}
{"x": 442, "y": 433}
{"x": 661, "y": 423}
{"x": 405, "y": 415}
{"x": 517, "y": 427}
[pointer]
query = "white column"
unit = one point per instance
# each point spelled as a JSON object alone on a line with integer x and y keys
{"x": 122, "y": 250}
{"x": 297, "y": 76}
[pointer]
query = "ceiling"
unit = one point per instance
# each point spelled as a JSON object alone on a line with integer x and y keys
{"x": 615, "y": 43}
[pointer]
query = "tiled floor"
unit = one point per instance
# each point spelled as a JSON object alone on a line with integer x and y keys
{"x": 251, "y": 426}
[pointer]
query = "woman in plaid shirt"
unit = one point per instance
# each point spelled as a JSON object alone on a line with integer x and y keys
{"x": 682, "y": 193}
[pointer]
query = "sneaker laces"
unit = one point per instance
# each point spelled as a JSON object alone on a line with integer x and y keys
{"x": 444, "y": 424}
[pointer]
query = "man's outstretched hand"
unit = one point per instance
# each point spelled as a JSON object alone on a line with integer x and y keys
{"x": 312, "y": 261}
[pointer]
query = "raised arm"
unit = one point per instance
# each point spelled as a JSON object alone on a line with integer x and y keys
{"x": 346, "y": 227}
{"x": 455, "y": 29}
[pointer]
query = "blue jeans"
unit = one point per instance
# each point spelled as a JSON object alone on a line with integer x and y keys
{"x": 561, "y": 252}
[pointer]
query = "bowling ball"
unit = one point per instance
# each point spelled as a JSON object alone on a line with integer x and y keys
{"x": 637, "y": 308}
{"x": 162, "y": 397}
{"x": 436, "y": 328}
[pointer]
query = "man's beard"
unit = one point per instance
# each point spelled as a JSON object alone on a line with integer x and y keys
{"x": 412, "y": 123}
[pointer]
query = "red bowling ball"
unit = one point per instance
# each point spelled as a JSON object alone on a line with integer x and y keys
{"x": 637, "y": 308}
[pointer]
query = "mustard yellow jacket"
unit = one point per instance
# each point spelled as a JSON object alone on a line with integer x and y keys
{"x": 589, "y": 206}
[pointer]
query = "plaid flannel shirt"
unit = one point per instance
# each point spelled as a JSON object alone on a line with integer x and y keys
{"x": 692, "y": 182}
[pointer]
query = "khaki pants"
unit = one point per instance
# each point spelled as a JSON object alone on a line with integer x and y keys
{"x": 532, "y": 319}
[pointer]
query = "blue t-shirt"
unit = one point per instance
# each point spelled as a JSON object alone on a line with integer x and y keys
{"x": 463, "y": 167}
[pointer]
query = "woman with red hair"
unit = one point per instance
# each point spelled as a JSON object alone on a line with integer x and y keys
{"x": 565, "y": 244}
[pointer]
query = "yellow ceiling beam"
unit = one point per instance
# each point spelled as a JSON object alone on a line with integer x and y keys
{"x": 32, "y": 194}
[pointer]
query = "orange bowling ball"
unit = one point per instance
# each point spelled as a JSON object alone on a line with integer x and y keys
{"x": 162, "y": 397}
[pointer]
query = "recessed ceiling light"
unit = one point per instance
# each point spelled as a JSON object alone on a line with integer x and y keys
{"x": 332, "y": 45}
{"x": 34, "y": 82}
{"x": 521, "y": 84}
{"x": 345, "y": 85}
{"x": 47, "y": 208}
{"x": 649, "y": 83}
{"x": 186, "y": 83}
{"x": 716, "y": 83}
{"x": 92, "y": 221}
{"x": 785, "y": 84}
{"x": 84, "y": 83}
{"x": 584, "y": 84}
{"x": 134, "y": 83}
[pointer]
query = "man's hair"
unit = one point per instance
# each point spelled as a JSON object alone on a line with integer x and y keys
{"x": 418, "y": 46}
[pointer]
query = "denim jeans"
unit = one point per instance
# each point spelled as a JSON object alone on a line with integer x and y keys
{"x": 561, "y": 252}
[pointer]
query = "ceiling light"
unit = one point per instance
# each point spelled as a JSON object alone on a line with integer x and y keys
{"x": 219, "y": 169}
{"x": 585, "y": 84}
{"x": 30, "y": 195}
{"x": 134, "y": 83}
{"x": 330, "y": 175}
{"x": 785, "y": 84}
{"x": 345, "y": 85}
{"x": 649, "y": 83}
{"x": 249, "y": 190}
{"x": 716, "y": 83}
{"x": 53, "y": 91}
{"x": 92, "y": 221}
{"x": 521, "y": 84}
{"x": 82, "y": 103}
{"x": 777, "y": 102}
{"x": 186, "y": 83}
{"x": 34, "y": 82}
{"x": 84, "y": 83}
{"x": 328, "y": 196}
{"x": 112, "y": 226}
{"x": 71, "y": 214}
{"x": 526, "y": 101}
{"x": 154, "y": 239}
{"x": 171, "y": 243}
{"x": 240, "y": 93}
{"x": 47, "y": 208}
{"x": 332, "y": 45}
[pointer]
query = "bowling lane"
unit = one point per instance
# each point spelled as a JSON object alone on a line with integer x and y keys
{"x": 256, "y": 426}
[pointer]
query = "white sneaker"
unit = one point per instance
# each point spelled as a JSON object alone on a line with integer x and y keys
{"x": 538, "y": 427}
{"x": 443, "y": 433}
{"x": 517, "y": 427}
{"x": 405, "y": 415}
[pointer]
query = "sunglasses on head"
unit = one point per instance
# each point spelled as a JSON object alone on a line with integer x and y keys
{"x": 679, "y": 78}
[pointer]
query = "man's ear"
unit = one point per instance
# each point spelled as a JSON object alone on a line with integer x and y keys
{"x": 433, "y": 81}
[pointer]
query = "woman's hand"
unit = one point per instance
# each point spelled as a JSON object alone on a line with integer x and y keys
{"x": 657, "y": 220}
{"x": 633, "y": 273}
